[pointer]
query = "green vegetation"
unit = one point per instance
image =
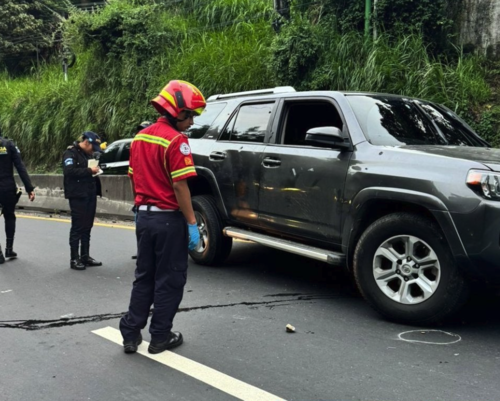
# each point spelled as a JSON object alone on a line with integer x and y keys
{"x": 27, "y": 31}
{"x": 131, "y": 48}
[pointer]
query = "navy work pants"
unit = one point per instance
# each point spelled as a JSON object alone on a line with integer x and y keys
{"x": 160, "y": 276}
{"x": 82, "y": 219}
{"x": 8, "y": 201}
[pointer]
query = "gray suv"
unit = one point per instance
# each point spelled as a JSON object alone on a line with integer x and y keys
{"x": 398, "y": 190}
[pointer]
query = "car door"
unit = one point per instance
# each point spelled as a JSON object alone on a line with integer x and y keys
{"x": 302, "y": 186}
{"x": 236, "y": 157}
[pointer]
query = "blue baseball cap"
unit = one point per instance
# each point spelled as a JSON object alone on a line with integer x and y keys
{"x": 94, "y": 139}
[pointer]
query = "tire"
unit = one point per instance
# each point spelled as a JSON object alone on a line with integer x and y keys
{"x": 405, "y": 270}
{"x": 214, "y": 247}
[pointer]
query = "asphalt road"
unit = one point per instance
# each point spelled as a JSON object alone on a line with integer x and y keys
{"x": 233, "y": 319}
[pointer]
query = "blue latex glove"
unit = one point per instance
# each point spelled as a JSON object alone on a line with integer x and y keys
{"x": 194, "y": 236}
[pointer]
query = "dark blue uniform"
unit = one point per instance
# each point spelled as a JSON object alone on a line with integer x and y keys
{"x": 81, "y": 189}
{"x": 10, "y": 157}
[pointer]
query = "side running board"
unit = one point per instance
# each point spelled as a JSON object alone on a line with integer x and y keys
{"x": 330, "y": 257}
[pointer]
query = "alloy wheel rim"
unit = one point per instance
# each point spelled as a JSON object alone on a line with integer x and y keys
{"x": 406, "y": 269}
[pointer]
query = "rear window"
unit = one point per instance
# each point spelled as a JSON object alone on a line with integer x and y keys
{"x": 203, "y": 122}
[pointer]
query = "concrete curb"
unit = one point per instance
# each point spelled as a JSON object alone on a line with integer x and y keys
{"x": 116, "y": 201}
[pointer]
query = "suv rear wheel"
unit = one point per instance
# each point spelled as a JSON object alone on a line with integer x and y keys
{"x": 213, "y": 247}
{"x": 405, "y": 270}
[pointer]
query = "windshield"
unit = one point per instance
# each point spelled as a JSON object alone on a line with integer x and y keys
{"x": 394, "y": 121}
{"x": 203, "y": 122}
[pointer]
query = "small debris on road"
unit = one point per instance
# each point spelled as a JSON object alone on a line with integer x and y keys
{"x": 290, "y": 328}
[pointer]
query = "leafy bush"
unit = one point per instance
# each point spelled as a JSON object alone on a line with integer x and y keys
{"x": 436, "y": 19}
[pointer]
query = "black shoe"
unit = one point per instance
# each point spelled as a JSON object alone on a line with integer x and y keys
{"x": 129, "y": 347}
{"x": 76, "y": 264}
{"x": 174, "y": 340}
{"x": 90, "y": 262}
{"x": 9, "y": 253}
{"x": 2, "y": 258}
{"x": 134, "y": 257}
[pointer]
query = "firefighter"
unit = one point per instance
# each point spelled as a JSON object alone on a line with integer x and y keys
{"x": 160, "y": 164}
{"x": 9, "y": 193}
{"x": 81, "y": 187}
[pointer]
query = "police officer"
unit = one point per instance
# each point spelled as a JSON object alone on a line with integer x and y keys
{"x": 140, "y": 127}
{"x": 81, "y": 187}
{"x": 9, "y": 195}
{"x": 160, "y": 164}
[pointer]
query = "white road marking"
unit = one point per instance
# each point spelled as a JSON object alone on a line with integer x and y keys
{"x": 212, "y": 377}
{"x": 456, "y": 337}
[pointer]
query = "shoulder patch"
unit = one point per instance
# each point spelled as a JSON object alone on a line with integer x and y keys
{"x": 185, "y": 149}
{"x": 68, "y": 162}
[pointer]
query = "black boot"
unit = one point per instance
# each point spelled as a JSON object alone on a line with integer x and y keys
{"x": 9, "y": 253}
{"x": 86, "y": 259}
{"x": 2, "y": 258}
{"x": 75, "y": 262}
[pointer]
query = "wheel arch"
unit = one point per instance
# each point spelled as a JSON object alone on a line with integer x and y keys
{"x": 373, "y": 203}
{"x": 206, "y": 184}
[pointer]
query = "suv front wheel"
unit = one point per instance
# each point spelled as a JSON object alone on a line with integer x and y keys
{"x": 405, "y": 270}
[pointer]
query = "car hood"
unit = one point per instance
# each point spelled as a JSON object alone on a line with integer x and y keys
{"x": 487, "y": 156}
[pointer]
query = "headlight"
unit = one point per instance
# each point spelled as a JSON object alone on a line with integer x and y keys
{"x": 485, "y": 183}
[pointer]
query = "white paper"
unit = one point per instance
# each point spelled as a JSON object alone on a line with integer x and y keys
{"x": 94, "y": 163}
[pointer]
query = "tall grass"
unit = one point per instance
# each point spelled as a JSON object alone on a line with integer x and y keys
{"x": 402, "y": 66}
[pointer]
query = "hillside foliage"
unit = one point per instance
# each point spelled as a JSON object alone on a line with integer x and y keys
{"x": 128, "y": 50}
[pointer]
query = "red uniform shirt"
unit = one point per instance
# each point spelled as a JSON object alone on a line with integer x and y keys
{"x": 159, "y": 156}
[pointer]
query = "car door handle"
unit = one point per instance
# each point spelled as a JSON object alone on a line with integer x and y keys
{"x": 217, "y": 156}
{"x": 271, "y": 162}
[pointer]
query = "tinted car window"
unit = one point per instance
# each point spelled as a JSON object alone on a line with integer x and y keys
{"x": 110, "y": 153}
{"x": 203, "y": 122}
{"x": 249, "y": 124}
{"x": 391, "y": 121}
{"x": 125, "y": 155}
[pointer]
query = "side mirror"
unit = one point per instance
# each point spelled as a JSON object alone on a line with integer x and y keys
{"x": 327, "y": 137}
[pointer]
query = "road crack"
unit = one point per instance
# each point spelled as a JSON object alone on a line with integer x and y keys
{"x": 34, "y": 324}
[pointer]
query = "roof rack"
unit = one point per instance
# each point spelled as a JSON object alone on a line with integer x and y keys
{"x": 269, "y": 91}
